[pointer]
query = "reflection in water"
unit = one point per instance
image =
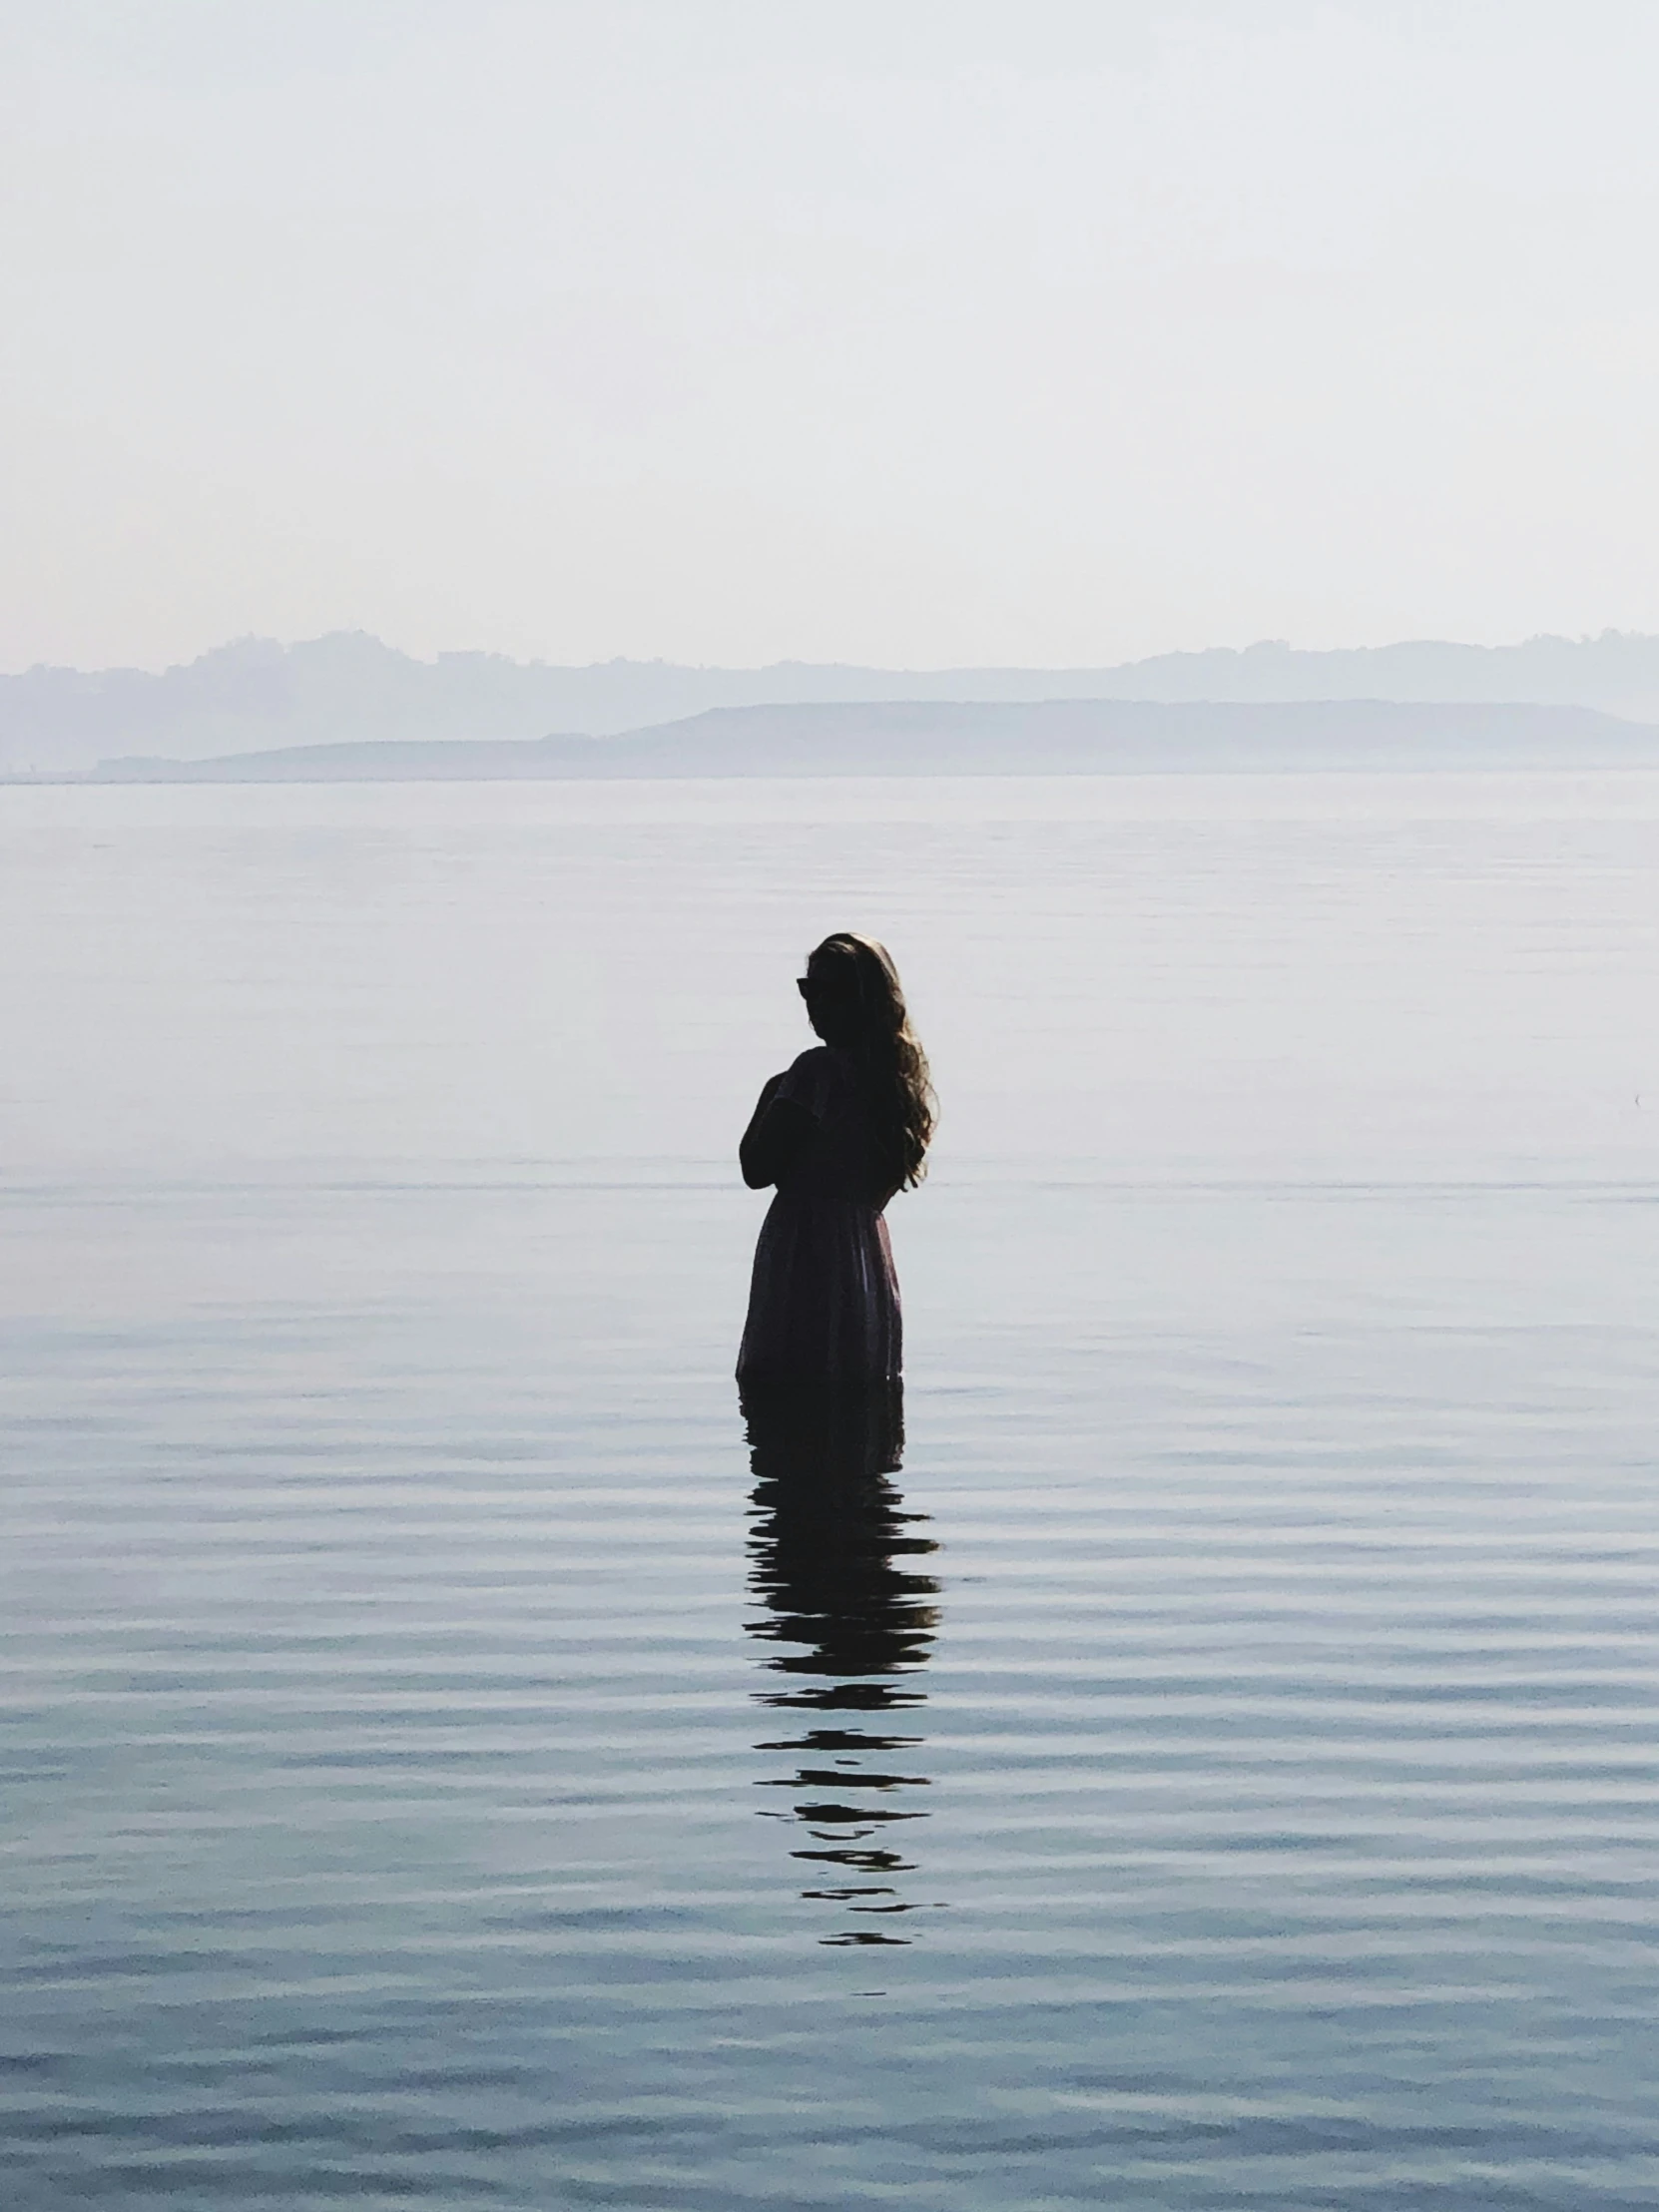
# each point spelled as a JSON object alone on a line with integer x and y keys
{"x": 829, "y": 1554}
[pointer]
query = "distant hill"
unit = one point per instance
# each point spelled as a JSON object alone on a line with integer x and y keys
{"x": 1055, "y": 738}
{"x": 258, "y": 696}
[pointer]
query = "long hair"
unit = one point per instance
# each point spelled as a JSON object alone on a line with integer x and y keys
{"x": 899, "y": 1086}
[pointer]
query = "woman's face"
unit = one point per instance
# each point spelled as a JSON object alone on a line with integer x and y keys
{"x": 830, "y": 990}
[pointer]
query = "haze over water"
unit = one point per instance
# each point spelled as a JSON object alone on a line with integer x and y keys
{"x": 1218, "y": 1769}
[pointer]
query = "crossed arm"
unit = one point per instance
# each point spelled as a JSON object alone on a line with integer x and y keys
{"x": 779, "y": 1131}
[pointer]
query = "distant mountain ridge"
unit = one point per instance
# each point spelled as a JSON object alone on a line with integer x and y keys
{"x": 976, "y": 738}
{"x": 259, "y": 696}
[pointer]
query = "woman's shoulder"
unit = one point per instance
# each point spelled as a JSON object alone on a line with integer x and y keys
{"x": 811, "y": 1078}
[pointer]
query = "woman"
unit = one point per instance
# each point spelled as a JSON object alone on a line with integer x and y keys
{"x": 839, "y": 1133}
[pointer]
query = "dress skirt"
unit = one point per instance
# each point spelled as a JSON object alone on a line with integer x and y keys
{"x": 824, "y": 1298}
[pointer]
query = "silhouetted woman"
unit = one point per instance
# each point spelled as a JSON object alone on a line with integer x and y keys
{"x": 839, "y": 1133}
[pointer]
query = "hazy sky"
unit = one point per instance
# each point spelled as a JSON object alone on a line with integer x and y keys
{"x": 899, "y": 331}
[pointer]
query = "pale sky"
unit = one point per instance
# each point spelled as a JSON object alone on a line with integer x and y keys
{"x": 909, "y": 331}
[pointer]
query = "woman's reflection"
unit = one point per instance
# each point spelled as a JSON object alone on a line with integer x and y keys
{"x": 830, "y": 1549}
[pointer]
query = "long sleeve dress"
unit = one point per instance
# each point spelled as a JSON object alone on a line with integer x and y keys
{"x": 824, "y": 1299}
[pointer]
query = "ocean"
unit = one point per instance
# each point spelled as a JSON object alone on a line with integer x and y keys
{"x": 1211, "y": 1760}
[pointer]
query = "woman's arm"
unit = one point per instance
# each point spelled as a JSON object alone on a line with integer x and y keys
{"x": 779, "y": 1131}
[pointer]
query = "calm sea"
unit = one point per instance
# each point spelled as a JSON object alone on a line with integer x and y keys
{"x": 1218, "y": 1766}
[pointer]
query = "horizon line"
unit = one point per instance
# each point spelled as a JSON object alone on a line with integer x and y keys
{"x": 442, "y": 654}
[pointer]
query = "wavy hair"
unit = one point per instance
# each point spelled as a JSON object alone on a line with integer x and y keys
{"x": 899, "y": 1085}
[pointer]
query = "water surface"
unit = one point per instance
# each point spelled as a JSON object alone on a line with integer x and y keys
{"x": 446, "y": 1761}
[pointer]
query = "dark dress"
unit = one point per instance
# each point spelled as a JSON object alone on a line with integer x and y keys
{"x": 824, "y": 1299}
